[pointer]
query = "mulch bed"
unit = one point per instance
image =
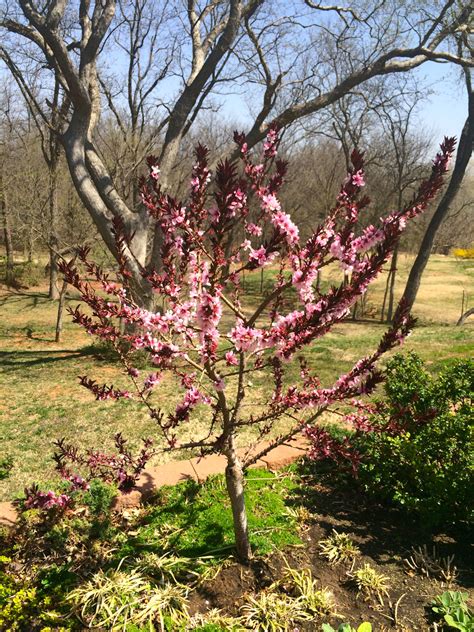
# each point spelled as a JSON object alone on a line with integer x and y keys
{"x": 384, "y": 536}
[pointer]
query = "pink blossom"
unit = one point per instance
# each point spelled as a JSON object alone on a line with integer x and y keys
{"x": 253, "y": 229}
{"x": 155, "y": 172}
{"x": 231, "y": 358}
{"x": 358, "y": 178}
{"x": 284, "y": 223}
{"x": 270, "y": 203}
{"x": 245, "y": 338}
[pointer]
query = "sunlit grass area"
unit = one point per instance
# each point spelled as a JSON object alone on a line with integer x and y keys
{"x": 41, "y": 399}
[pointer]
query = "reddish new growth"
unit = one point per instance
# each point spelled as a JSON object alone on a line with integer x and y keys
{"x": 121, "y": 469}
{"x": 205, "y": 338}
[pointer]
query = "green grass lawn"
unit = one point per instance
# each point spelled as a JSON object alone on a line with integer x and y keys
{"x": 42, "y": 401}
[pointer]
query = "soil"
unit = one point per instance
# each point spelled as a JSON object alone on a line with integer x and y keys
{"x": 384, "y": 537}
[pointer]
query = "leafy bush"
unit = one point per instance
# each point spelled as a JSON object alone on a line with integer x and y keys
{"x": 24, "y": 607}
{"x": 6, "y": 464}
{"x": 346, "y": 627}
{"x": 452, "y": 607}
{"x": 99, "y": 497}
{"x": 421, "y": 453}
{"x": 28, "y": 274}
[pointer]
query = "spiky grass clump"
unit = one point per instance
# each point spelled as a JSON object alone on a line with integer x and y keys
{"x": 338, "y": 547}
{"x": 119, "y": 598}
{"x": 370, "y": 583}
{"x": 273, "y": 612}
{"x": 316, "y": 601}
{"x": 214, "y": 619}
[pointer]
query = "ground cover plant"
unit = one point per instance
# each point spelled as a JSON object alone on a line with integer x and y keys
{"x": 68, "y": 569}
{"x": 201, "y": 272}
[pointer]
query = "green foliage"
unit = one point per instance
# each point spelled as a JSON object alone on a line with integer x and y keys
{"x": 117, "y": 598}
{"x": 24, "y": 607}
{"x": 452, "y": 607}
{"x": 425, "y": 464}
{"x": 338, "y": 547}
{"x": 27, "y": 274}
{"x": 370, "y": 582}
{"x": 196, "y": 519}
{"x": 214, "y": 621}
{"x": 6, "y": 464}
{"x": 346, "y": 627}
{"x": 99, "y": 498}
{"x": 273, "y": 612}
{"x": 314, "y": 600}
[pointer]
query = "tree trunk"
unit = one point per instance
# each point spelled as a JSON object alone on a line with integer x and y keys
{"x": 234, "y": 477}
{"x": 59, "y": 320}
{"x": 96, "y": 192}
{"x": 462, "y": 160}
{"x": 9, "y": 275}
{"x": 53, "y": 271}
{"x": 391, "y": 289}
{"x": 470, "y": 312}
{"x": 53, "y": 225}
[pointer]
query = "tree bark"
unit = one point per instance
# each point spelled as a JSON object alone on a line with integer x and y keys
{"x": 53, "y": 226}
{"x": 9, "y": 275}
{"x": 234, "y": 477}
{"x": 391, "y": 289}
{"x": 59, "y": 320}
{"x": 470, "y": 312}
{"x": 462, "y": 160}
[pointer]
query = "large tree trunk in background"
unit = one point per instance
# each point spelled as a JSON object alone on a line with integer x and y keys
{"x": 6, "y": 232}
{"x": 462, "y": 160}
{"x": 96, "y": 191}
{"x": 234, "y": 477}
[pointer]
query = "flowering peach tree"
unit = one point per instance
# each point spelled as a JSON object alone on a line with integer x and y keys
{"x": 205, "y": 337}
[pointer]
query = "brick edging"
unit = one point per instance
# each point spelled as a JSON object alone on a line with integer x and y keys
{"x": 197, "y": 469}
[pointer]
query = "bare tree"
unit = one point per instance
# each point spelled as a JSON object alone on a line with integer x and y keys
{"x": 294, "y": 61}
{"x": 463, "y": 157}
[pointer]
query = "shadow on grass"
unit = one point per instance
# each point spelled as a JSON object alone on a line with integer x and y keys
{"x": 15, "y": 360}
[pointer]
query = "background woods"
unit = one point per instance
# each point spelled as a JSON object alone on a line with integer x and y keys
{"x": 105, "y": 84}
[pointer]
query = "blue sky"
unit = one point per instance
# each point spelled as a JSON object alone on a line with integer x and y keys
{"x": 445, "y": 111}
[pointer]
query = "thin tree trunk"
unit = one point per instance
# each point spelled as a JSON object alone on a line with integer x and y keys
{"x": 61, "y": 303}
{"x": 9, "y": 275}
{"x": 462, "y": 160}
{"x": 234, "y": 477}
{"x": 391, "y": 289}
{"x": 30, "y": 244}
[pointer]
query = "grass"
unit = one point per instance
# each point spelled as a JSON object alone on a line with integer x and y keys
{"x": 42, "y": 401}
{"x": 195, "y": 520}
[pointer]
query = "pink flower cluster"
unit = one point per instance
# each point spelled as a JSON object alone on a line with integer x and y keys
{"x": 49, "y": 500}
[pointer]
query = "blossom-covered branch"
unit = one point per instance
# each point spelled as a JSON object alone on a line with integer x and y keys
{"x": 204, "y": 339}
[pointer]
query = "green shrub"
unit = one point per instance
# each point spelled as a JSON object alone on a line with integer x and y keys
{"x": 421, "y": 455}
{"x": 452, "y": 608}
{"x": 28, "y": 274}
{"x": 24, "y": 607}
{"x": 99, "y": 498}
{"x": 6, "y": 464}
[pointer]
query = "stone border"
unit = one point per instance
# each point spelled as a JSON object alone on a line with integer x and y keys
{"x": 197, "y": 469}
